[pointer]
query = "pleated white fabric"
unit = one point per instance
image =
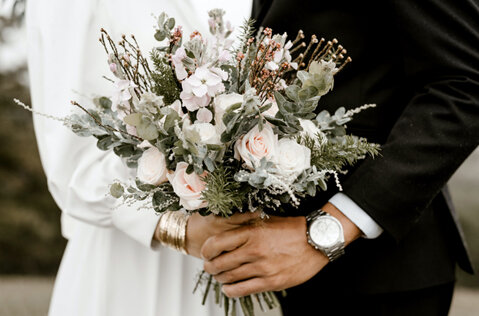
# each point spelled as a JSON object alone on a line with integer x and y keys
{"x": 110, "y": 266}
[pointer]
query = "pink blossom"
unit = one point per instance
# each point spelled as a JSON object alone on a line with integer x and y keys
{"x": 192, "y": 102}
{"x": 224, "y": 56}
{"x": 205, "y": 81}
{"x": 177, "y": 60}
{"x": 177, "y": 107}
{"x": 121, "y": 94}
{"x": 204, "y": 115}
{"x": 221, "y": 73}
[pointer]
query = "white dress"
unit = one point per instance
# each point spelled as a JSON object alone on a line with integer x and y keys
{"x": 110, "y": 266}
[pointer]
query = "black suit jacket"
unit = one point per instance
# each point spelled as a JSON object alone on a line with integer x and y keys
{"x": 418, "y": 60}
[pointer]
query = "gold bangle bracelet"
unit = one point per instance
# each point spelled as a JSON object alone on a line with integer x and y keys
{"x": 171, "y": 230}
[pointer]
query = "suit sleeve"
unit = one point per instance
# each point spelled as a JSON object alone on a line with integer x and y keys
{"x": 439, "y": 127}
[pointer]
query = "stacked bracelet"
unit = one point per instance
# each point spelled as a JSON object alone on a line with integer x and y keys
{"x": 171, "y": 230}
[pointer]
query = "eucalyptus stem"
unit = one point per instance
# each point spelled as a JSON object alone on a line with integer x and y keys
{"x": 208, "y": 285}
{"x": 107, "y": 127}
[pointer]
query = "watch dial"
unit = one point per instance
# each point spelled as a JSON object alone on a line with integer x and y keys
{"x": 325, "y": 232}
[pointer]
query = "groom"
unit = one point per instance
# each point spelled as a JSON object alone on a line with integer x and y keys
{"x": 419, "y": 62}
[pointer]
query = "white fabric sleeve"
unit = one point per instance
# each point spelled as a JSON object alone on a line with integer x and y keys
{"x": 64, "y": 56}
{"x": 356, "y": 215}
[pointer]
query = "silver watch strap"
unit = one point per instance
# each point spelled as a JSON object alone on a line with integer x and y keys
{"x": 335, "y": 252}
{"x": 315, "y": 214}
{"x": 332, "y": 253}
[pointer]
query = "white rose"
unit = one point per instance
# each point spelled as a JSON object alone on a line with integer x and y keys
{"x": 202, "y": 133}
{"x": 255, "y": 145}
{"x": 309, "y": 128}
{"x": 221, "y": 105}
{"x": 291, "y": 157}
{"x": 152, "y": 167}
{"x": 188, "y": 187}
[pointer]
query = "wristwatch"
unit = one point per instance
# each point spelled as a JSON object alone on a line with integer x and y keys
{"x": 325, "y": 233}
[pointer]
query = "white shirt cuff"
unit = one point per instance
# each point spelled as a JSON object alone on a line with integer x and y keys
{"x": 356, "y": 215}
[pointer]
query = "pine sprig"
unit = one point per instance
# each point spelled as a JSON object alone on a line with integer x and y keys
{"x": 247, "y": 31}
{"x": 340, "y": 152}
{"x": 164, "y": 80}
{"x": 223, "y": 193}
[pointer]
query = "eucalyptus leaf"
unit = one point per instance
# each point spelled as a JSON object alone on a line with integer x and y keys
{"x": 147, "y": 130}
{"x": 170, "y": 23}
{"x": 160, "y": 36}
{"x": 124, "y": 150}
{"x": 303, "y": 76}
{"x": 106, "y": 142}
{"x": 210, "y": 165}
{"x": 170, "y": 120}
{"x": 292, "y": 92}
{"x": 105, "y": 103}
{"x": 145, "y": 187}
{"x": 275, "y": 121}
{"x": 117, "y": 190}
{"x": 133, "y": 119}
{"x": 307, "y": 93}
{"x": 266, "y": 107}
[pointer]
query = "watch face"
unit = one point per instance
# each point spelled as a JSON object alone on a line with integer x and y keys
{"x": 325, "y": 232}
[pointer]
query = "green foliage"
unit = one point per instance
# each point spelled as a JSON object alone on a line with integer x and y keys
{"x": 246, "y": 32}
{"x": 164, "y": 199}
{"x": 339, "y": 152}
{"x": 223, "y": 193}
{"x": 333, "y": 125}
{"x": 164, "y": 79}
{"x": 30, "y": 237}
{"x": 319, "y": 80}
{"x": 165, "y": 26}
{"x": 240, "y": 118}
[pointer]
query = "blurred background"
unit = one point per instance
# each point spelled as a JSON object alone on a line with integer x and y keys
{"x": 31, "y": 245}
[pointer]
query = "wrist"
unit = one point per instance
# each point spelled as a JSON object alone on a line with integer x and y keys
{"x": 171, "y": 230}
{"x": 330, "y": 231}
{"x": 350, "y": 230}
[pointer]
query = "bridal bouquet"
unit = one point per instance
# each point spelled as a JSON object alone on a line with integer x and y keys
{"x": 219, "y": 127}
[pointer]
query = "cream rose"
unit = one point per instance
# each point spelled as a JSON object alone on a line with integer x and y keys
{"x": 291, "y": 157}
{"x": 188, "y": 187}
{"x": 221, "y": 105}
{"x": 202, "y": 133}
{"x": 152, "y": 167}
{"x": 255, "y": 145}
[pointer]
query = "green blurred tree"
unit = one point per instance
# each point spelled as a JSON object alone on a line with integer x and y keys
{"x": 30, "y": 239}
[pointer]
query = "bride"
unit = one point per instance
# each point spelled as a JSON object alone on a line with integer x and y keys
{"x": 112, "y": 265}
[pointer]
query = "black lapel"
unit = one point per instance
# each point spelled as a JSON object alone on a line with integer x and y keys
{"x": 260, "y": 8}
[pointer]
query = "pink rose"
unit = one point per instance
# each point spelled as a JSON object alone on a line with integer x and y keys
{"x": 255, "y": 145}
{"x": 188, "y": 187}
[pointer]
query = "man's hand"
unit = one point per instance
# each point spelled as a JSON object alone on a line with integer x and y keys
{"x": 268, "y": 255}
{"x": 200, "y": 228}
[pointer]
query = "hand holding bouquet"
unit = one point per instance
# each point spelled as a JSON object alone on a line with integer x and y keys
{"x": 221, "y": 127}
